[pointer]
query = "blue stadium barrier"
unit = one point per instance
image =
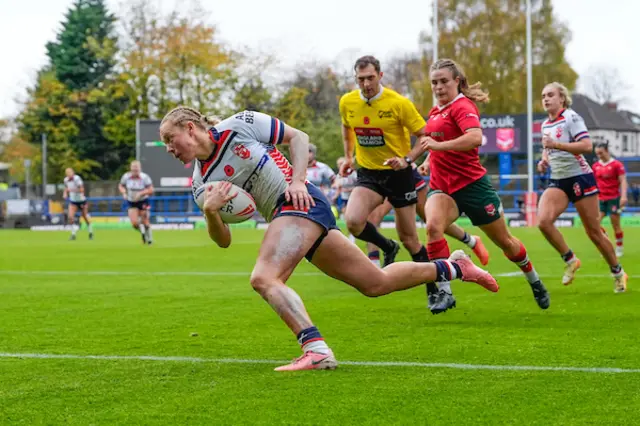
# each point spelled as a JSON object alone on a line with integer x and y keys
{"x": 164, "y": 205}
{"x": 181, "y": 205}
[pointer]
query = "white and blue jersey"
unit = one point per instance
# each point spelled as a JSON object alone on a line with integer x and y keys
{"x": 136, "y": 184}
{"x": 245, "y": 154}
{"x": 74, "y": 186}
{"x": 320, "y": 174}
{"x": 568, "y": 127}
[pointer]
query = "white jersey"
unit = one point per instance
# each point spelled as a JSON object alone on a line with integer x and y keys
{"x": 245, "y": 154}
{"x": 135, "y": 185}
{"x": 566, "y": 128}
{"x": 320, "y": 174}
{"x": 347, "y": 184}
{"x": 73, "y": 186}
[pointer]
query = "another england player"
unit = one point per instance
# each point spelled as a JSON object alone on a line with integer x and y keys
{"x": 74, "y": 192}
{"x": 612, "y": 183}
{"x": 318, "y": 173}
{"x": 565, "y": 139}
{"x": 242, "y": 150}
{"x": 136, "y": 187}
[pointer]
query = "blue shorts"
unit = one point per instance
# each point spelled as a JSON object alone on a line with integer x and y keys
{"x": 420, "y": 182}
{"x": 140, "y": 205}
{"x": 576, "y": 187}
{"x": 320, "y": 213}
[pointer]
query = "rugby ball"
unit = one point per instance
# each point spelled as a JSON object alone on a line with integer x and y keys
{"x": 238, "y": 209}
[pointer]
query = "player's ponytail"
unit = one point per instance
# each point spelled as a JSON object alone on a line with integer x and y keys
{"x": 473, "y": 92}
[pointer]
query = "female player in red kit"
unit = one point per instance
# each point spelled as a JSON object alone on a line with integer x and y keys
{"x": 459, "y": 184}
{"x": 612, "y": 183}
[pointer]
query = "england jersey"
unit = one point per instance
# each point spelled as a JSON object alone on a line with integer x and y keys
{"x": 135, "y": 185}
{"x": 320, "y": 174}
{"x": 73, "y": 186}
{"x": 566, "y": 128}
{"x": 347, "y": 184}
{"x": 245, "y": 154}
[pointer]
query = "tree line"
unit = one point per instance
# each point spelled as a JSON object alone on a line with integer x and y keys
{"x": 105, "y": 70}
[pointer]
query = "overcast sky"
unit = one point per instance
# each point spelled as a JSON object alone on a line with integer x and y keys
{"x": 298, "y": 31}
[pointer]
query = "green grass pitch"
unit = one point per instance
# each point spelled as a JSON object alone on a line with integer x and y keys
{"x": 115, "y": 297}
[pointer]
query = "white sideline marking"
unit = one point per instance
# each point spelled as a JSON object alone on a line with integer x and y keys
{"x": 242, "y": 274}
{"x": 153, "y": 273}
{"x": 355, "y": 363}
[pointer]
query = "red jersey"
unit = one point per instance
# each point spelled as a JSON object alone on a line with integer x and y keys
{"x": 453, "y": 170}
{"x": 607, "y": 176}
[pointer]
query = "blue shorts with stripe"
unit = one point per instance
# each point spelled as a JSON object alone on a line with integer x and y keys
{"x": 576, "y": 187}
{"x": 320, "y": 213}
{"x": 420, "y": 182}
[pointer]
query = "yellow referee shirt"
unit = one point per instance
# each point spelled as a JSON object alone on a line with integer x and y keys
{"x": 383, "y": 126}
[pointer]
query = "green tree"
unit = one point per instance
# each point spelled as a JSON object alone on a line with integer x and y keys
{"x": 54, "y": 110}
{"x": 253, "y": 95}
{"x": 293, "y": 109}
{"x": 199, "y": 67}
{"x": 487, "y": 38}
{"x": 141, "y": 56}
{"x": 323, "y": 88}
{"x": 81, "y": 54}
{"x": 326, "y": 134}
{"x": 82, "y": 58}
{"x": 14, "y": 152}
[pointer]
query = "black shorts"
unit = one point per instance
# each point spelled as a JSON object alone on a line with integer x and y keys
{"x": 397, "y": 186}
{"x": 143, "y": 205}
{"x": 79, "y": 204}
{"x": 576, "y": 187}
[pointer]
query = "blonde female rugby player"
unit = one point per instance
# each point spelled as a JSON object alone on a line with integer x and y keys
{"x": 565, "y": 141}
{"x": 241, "y": 150}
